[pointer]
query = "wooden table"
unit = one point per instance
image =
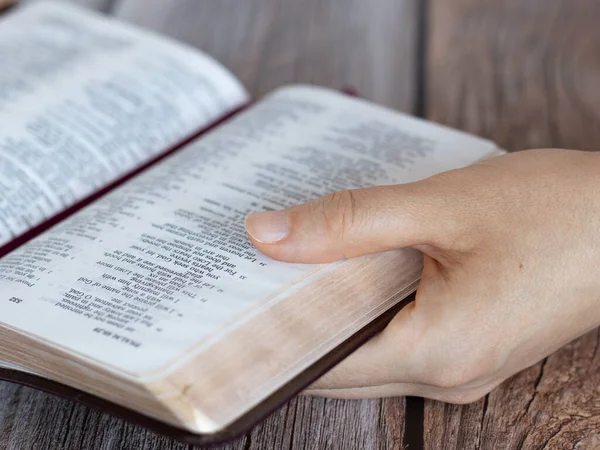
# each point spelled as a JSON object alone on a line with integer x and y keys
{"x": 525, "y": 73}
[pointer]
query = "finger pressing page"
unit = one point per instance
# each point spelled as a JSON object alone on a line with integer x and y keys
{"x": 347, "y": 224}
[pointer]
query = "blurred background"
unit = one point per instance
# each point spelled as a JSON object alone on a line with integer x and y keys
{"x": 519, "y": 71}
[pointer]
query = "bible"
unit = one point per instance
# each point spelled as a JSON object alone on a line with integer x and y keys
{"x": 128, "y": 163}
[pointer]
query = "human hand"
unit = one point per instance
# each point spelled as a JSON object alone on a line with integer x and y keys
{"x": 511, "y": 270}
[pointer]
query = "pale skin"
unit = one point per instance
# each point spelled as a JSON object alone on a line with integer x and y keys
{"x": 511, "y": 274}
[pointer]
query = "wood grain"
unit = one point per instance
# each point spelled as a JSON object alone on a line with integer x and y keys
{"x": 268, "y": 43}
{"x": 369, "y": 46}
{"x": 100, "y": 5}
{"x": 525, "y": 74}
{"x": 30, "y": 419}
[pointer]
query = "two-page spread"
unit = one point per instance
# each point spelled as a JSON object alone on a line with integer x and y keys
{"x": 89, "y": 100}
{"x": 152, "y": 297}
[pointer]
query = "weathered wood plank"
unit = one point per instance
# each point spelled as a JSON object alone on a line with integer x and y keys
{"x": 337, "y": 43}
{"x": 268, "y": 43}
{"x": 522, "y": 73}
{"x": 31, "y": 419}
{"x": 314, "y": 423}
{"x": 100, "y": 5}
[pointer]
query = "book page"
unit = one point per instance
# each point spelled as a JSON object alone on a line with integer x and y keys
{"x": 85, "y": 100}
{"x": 162, "y": 265}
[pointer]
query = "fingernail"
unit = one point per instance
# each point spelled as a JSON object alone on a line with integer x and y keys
{"x": 268, "y": 227}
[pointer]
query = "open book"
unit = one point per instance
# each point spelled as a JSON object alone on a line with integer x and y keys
{"x": 151, "y": 297}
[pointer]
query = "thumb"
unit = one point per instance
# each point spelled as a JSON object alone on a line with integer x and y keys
{"x": 351, "y": 223}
